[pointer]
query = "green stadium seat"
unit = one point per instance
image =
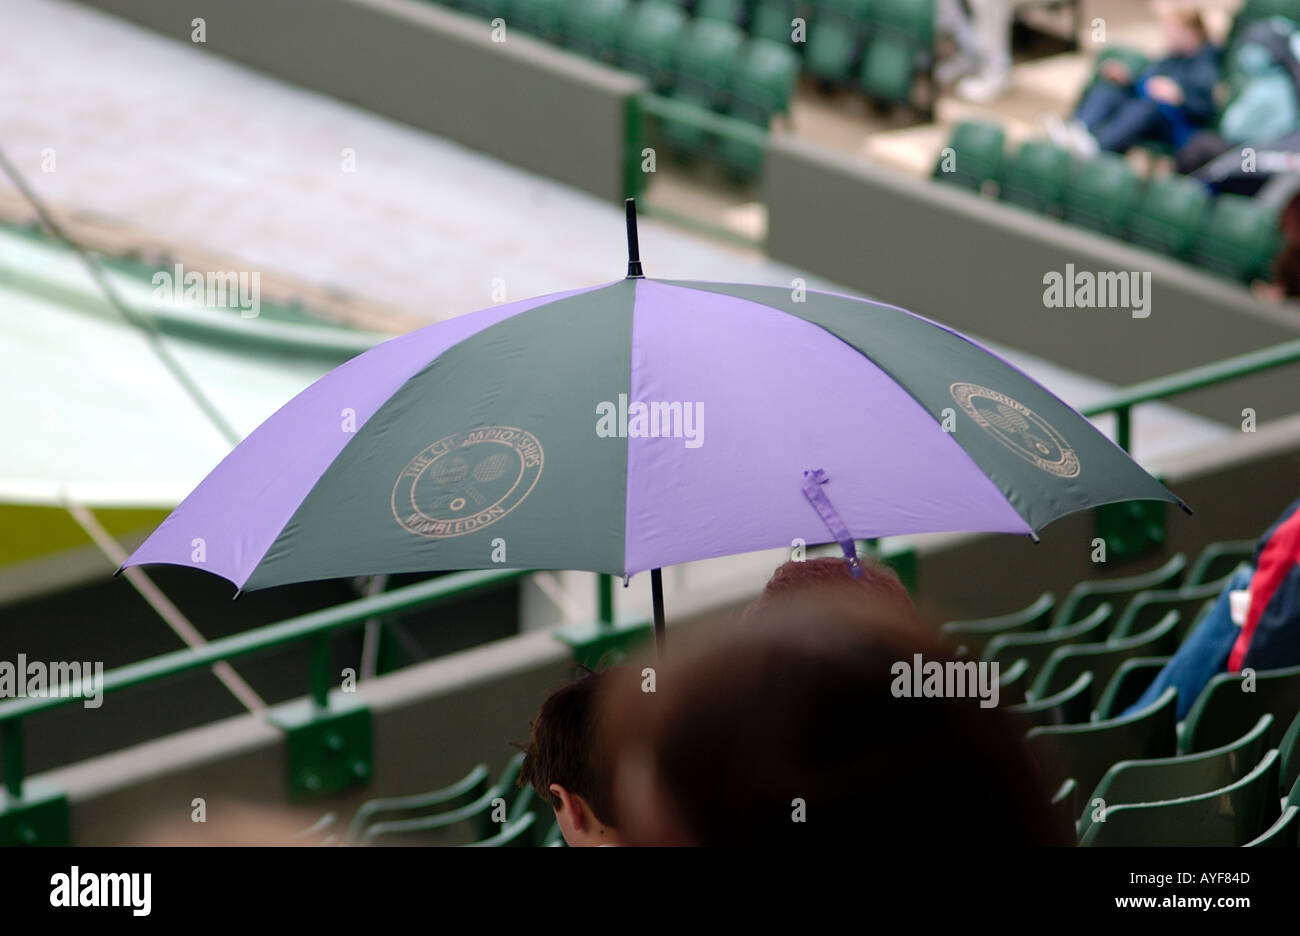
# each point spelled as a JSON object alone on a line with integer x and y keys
{"x": 764, "y": 82}
{"x": 1223, "y": 710}
{"x": 1085, "y": 752}
{"x": 734, "y": 12}
{"x": 888, "y": 68}
{"x": 912, "y": 20}
{"x": 461, "y": 793}
{"x": 1219, "y": 560}
{"x": 1037, "y": 646}
{"x": 707, "y": 58}
{"x": 541, "y": 18}
{"x": 1070, "y": 706}
{"x": 1289, "y": 751}
{"x": 1103, "y": 659}
{"x": 1100, "y": 193}
{"x": 974, "y": 634}
{"x": 1282, "y": 833}
{"x": 593, "y": 27}
{"x": 478, "y": 813}
{"x": 763, "y": 85}
{"x": 555, "y": 838}
{"x": 1133, "y": 677}
{"x": 901, "y": 44}
{"x": 1168, "y": 215}
{"x": 772, "y": 20}
{"x": 517, "y": 833}
{"x": 1034, "y": 176}
{"x": 648, "y": 44}
{"x": 977, "y": 148}
{"x": 1012, "y": 683}
{"x": 1147, "y": 607}
{"x": 1239, "y": 238}
{"x": 1230, "y": 816}
{"x": 1065, "y": 803}
{"x": 1168, "y": 778}
{"x": 836, "y": 31}
{"x": 1085, "y": 596}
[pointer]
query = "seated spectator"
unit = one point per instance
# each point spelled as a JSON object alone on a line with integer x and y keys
{"x": 566, "y": 764}
{"x": 1264, "y": 108}
{"x": 789, "y": 727}
{"x": 1261, "y": 632}
{"x": 1165, "y": 103}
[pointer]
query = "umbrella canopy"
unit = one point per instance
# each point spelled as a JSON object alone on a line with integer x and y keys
{"x": 640, "y": 424}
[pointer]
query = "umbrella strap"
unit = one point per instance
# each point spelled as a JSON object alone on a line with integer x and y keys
{"x": 812, "y": 489}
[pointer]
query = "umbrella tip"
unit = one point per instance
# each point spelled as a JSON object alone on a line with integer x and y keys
{"x": 1034, "y": 536}
{"x": 633, "y": 248}
{"x": 1187, "y": 510}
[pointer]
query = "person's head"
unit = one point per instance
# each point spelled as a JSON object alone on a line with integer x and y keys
{"x": 878, "y": 583}
{"x": 1290, "y": 220}
{"x": 1182, "y": 26}
{"x": 796, "y": 726}
{"x": 565, "y": 761}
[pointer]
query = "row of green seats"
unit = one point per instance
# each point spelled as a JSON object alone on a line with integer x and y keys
{"x": 881, "y": 45}
{"x": 1227, "y": 793}
{"x": 1231, "y": 235}
{"x": 468, "y": 804}
{"x": 708, "y": 62}
{"x": 717, "y": 69}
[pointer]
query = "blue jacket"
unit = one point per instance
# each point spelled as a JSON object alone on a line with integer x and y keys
{"x": 1196, "y": 74}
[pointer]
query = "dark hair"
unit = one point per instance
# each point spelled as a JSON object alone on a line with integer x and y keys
{"x": 795, "y": 703}
{"x": 565, "y": 746}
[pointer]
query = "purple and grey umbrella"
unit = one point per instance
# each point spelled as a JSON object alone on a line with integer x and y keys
{"x": 640, "y": 424}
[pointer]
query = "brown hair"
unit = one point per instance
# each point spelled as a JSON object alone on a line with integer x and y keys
{"x": 879, "y": 583}
{"x": 565, "y": 745}
{"x": 796, "y": 703}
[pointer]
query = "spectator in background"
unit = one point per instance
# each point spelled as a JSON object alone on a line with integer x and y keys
{"x": 565, "y": 760}
{"x": 1166, "y": 103}
{"x": 1259, "y": 628}
{"x": 788, "y": 728}
{"x": 1264, "y": 107}
{"x": 987, "y": 39}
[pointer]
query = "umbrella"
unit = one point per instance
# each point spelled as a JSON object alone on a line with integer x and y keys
{"x": 638, "y": 424}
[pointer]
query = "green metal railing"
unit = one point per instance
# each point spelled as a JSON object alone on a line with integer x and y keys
{"x": 1197, "y": 378}
{"x": 316, "y": 628}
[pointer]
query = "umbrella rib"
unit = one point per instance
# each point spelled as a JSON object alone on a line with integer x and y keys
{"x": 172, "y": 615}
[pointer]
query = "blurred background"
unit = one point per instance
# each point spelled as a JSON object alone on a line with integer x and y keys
{"x": 355, "y": 169}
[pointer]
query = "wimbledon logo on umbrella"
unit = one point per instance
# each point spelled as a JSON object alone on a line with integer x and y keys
{"x": 468, "y": 481}
{"x": 1018, "y": 428}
